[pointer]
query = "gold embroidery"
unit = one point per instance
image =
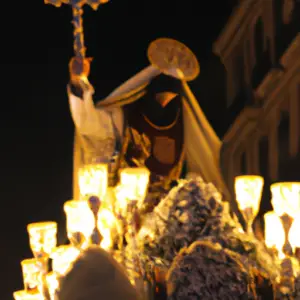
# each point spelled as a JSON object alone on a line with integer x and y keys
{"x": 142, "y": 141}
{"x": 146, "y": 145}
{"x": 162, "y": 127}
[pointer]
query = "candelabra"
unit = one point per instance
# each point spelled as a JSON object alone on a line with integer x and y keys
{"x": 110, "y": 219}
{"x": 89, "y": 221}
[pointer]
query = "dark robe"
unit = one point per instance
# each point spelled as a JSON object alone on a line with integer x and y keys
{"x": 161, "y": 132}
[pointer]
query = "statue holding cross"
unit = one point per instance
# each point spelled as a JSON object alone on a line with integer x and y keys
{"x": 153, "y": 120}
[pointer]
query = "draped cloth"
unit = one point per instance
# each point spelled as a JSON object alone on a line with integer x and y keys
{"x": 201, "y": 144}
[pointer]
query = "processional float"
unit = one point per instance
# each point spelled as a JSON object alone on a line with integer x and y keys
{"x": 189, "y": 200}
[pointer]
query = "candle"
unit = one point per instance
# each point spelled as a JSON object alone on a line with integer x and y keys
{"x": 248, "y": 190}
{"x": 107, "y": 227}
{"x": 52, "y": 285}
{"x": 42, "y": 238}
{"x": 135, "y": 182}
{"x": 294, "y": 233}
{"x": 286, "y": 195}
{"x": 274, "y": 233}
{"x": 23, "y": 295}
{"x": 93, "y": 180}
{"x": 33, "y": 269}
{"x": 80, "y": 219}
{"x": 63, "y": 258}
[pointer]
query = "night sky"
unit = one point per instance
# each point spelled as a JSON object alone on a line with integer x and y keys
{"x": 36, "y": 126}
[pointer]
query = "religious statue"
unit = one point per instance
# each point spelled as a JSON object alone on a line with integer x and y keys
{"x": 153, "y": 120}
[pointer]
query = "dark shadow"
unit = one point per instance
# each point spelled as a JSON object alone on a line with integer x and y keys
{"x": 262, "y": 55}
{"x": 285, "y": 32}
{"x": 243, "y": 164}
{"x": 264, "y": 171}
{"x": 283, "y": 143}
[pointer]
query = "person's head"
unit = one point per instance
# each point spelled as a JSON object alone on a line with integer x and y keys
{"x": 164, "y": 88}
{"x": 96, "y": 276}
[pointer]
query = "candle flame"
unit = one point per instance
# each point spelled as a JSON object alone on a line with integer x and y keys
{"x": 274, "y": 233}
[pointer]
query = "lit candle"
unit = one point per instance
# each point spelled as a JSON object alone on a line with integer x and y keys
{"x": 33, "y": 269}
{"x": 107, "y": 226}
{"x": 63, "y": 258}
{"x": 135, "y": 182}
{"x": 287, "y": 195}
{"x": 274, "y": 233}
{"x": 42, "y": 238}
{"x": 248, "y": 190}
{"x": 80, "y": 219}
{"x": 52, "y": 285}
{"x": 23, "y": 295}
{"x": 294, "y": 234}
{"x": 93, "y": 180}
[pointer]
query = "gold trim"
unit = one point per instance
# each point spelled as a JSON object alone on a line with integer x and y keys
{"x": 162, "y": 127}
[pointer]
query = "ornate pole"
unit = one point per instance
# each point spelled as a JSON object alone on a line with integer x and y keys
{"x": 81, "y": 63}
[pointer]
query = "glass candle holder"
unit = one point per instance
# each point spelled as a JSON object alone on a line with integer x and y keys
{"x": 274, "y": 233}
{"x": 294, "y": 234}
{"x": 107, "y": 225}
{"x": 135, "y": 182}
{"x": 287, "y": 196}
{"x": 121, "y": 201}
{"x": 93, "y": 181}
{"x": 63, "y": 258}
{"x": 42, "y": 238}
{"x": 248, "y": 190}
{"x": 24, "y": 295}
{"x": 80, "y": 219}
{"x": 33, "y": 271}
{"x": 52, "y": 285}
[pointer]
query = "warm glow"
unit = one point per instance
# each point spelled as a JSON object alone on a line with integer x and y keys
{"x": 32, "y": 270}
{"x": 279, "y": 206}
{"x": 135, "y": 181}
{"x": 93, "y": 180}
{"x": 248, "y": 190}
{"x": 79, "y": 218}
{"x": 121, "y": 200}
{"x": 274, "y": 232}
{"x": 146, "y": 233}
{"x": 286, "y": 197}
{"x": 63, "y": 258}
{"x": 52, "y": 284}
{"x": 42, "y": 237}
{"x": 107, "y": 226}
{"x": 294, "y": 233}
{"x": 23, "y": 295}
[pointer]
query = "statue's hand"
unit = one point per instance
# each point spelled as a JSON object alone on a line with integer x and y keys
{"x": 79, "y": 68}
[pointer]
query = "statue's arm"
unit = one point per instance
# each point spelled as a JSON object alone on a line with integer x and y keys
{"x": 89, "y": 121}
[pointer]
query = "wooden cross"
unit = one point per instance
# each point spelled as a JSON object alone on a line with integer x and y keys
{"x": 79, "y": 48}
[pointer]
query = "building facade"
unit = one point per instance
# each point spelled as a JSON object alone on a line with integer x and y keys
{"x": 260, "y": 49}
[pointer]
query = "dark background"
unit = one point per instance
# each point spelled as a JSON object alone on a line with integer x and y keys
{"x": 36, "y": 126}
